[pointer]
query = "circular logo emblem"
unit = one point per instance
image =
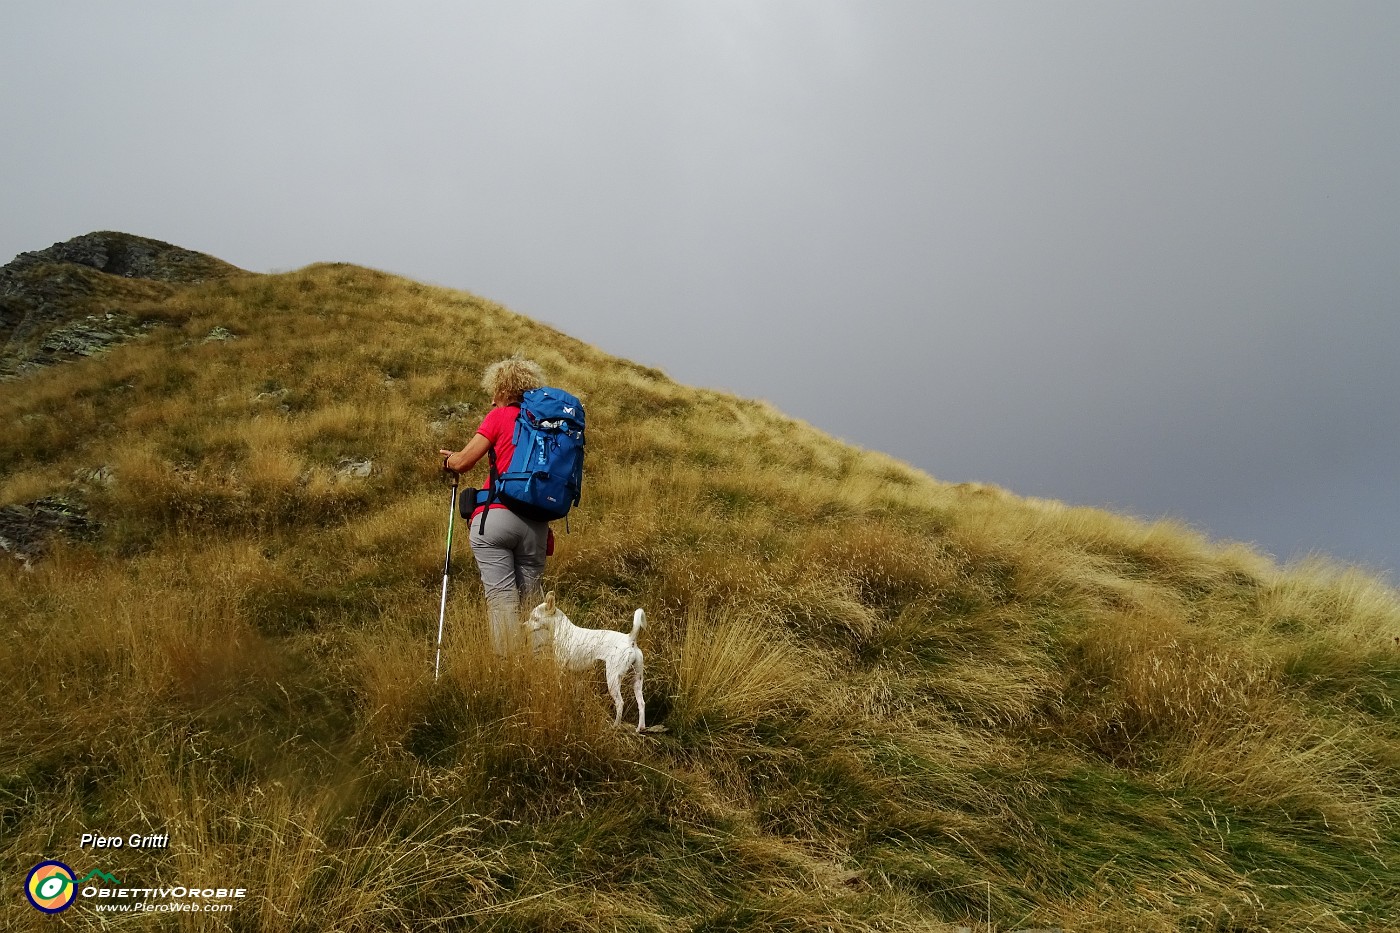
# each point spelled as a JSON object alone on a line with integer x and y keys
{"x": 50, "y": 887}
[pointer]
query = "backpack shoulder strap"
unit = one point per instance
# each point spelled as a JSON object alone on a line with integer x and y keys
{"x": 495, "y": 477}
{"x": 490, "y": 488}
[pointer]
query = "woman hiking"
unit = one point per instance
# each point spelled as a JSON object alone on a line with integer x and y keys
{"x": 510, "y": 552}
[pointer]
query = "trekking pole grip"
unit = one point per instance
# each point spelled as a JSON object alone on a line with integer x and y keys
{"x": 447, "y": 469}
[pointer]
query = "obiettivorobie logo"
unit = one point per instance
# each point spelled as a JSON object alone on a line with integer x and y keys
{"x": 52, "y": 888}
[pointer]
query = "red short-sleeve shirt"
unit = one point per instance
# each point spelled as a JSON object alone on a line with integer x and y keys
{"x": 498, "y": 427}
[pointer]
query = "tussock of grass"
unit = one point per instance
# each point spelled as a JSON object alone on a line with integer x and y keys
{"x": 736, "y": 666}
{"x": 888, "y": 698}
{"x": 1151, "y": 677}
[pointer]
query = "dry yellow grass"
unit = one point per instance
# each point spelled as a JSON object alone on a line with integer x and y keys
{"x": 889, "y": 698}
{"x": 736, "y": 666}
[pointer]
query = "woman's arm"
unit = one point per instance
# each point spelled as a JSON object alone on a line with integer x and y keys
{"x": 461, "y": 461}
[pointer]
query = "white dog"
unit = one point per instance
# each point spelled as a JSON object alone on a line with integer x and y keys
{"x": 577, "y": 649}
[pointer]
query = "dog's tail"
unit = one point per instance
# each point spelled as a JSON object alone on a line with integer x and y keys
{"x": 639, "y": 622}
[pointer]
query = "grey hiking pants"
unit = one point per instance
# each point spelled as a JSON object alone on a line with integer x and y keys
{"x": 511, "y": 559}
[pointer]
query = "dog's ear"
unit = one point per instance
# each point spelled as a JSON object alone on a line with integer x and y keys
{"x": 549, "y": 602}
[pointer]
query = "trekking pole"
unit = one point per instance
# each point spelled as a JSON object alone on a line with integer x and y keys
{"x": 446, "y": 568}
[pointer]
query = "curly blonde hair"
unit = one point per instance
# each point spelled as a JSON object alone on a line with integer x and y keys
{"x": 511, "y": 378}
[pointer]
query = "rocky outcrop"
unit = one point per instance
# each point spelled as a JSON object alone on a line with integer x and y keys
{"x": 74, "y": 298}
{"x": 25, "y": 530}
{"x": 128, "y": 256}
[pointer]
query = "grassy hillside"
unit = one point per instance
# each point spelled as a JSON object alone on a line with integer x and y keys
{"x": 893, "y": 704}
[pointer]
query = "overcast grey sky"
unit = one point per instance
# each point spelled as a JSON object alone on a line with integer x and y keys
{"x": 1138, "y": 255}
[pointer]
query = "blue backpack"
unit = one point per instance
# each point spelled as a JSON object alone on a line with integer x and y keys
{"x": 545, "y": 476}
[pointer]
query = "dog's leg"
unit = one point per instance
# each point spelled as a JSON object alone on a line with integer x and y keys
{"x": 637, "y": 689}
{"x": 615, "y": 688}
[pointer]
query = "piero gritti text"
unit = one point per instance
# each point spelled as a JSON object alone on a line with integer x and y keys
{"x": 133, "y": 841}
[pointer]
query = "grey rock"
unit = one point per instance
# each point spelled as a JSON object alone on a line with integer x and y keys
{"x": 102, "y": 476}
{"x": 351, "y": 467}
{"x": 25, "y": 530}
{"x": 455, "y": 411}
{"x": 448, "y": 414}
{"x": 91, "y": 335}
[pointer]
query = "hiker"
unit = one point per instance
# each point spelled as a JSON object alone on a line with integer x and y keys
{"x": 510, "y": 551}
